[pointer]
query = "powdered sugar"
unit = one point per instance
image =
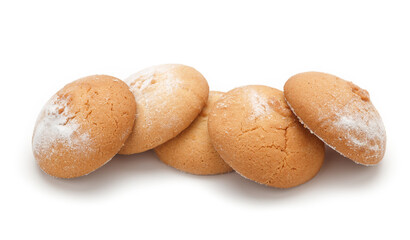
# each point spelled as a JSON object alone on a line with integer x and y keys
{"x": 162, "y": 76}
{"x": 348, "y": 123}
{"x": 221, "y": 104}
{"x": 152, "y": 88}
{"x": 362, "y": 125}
{"x": 56, "y": 124}
{"x": 141, "y": 80}
{"x": 259, "y": 105}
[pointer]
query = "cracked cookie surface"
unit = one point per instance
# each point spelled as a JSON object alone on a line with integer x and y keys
{"x": 340, "y": 113}
{"x": 169, "y": 97}
{"x": 191, "y": 151}
{"x": 255, "y": 132}
{"x": 83, "y": 126}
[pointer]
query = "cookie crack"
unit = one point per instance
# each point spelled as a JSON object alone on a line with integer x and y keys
{"x": 284, "y": 164}
{"x": 243, "y": 132}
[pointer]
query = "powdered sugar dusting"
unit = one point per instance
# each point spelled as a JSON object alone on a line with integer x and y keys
{"x": 152, "y": 88}
{"x": 57, "y": 125}
{"x": 139, "y": 81}
{"x": 347, "y": 121}
{"x": 362, "y": 125}
{"x": 221, "y": 104}
{"x": 259, "y": 105}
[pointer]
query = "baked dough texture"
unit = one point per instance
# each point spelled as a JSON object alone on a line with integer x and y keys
{"x": 191, "y": 151}
{"x": 255, "y": 132}
{"x": 83, "y": 126}
{"x": 169, "y": 97}
{"x": 340, "y": 113}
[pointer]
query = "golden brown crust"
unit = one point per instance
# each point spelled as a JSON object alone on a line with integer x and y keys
{"x": 340, "y": 113}
{"x": 191, "y": 151}
{"x": 83, "y": 126}
{"x": 255, "y": 132}
{"x": 169, "y": 97}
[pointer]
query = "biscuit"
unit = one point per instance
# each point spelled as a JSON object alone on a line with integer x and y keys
{"x": 83, "y": 126}
{"x": 340, "y": 113}
{"x": 255, "y": 132}
{"x": 191, "y": 151}
{"x": 169, "y": 97}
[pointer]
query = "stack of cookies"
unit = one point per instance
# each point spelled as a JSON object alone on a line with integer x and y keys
{"x": 271, "y": 137}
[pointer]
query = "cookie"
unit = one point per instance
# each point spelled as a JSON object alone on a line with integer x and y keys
{"x": 340, "y": 113}
{"x": 191, "y": 151}
{"x": 83, "y": 126}
{"x": 169, "y": 97}
{"x": 255, "y": 132}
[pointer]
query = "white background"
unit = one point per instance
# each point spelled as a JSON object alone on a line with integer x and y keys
{"x": 45, "y": 45}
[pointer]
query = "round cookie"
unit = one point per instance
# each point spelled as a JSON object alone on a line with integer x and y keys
{"x": 340, "y": 113}
{"x": 191, "y": 151}
{"x": 83, "y": 126}
{"x": 255, "y": 132}
{"x": 169, "y": 97}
